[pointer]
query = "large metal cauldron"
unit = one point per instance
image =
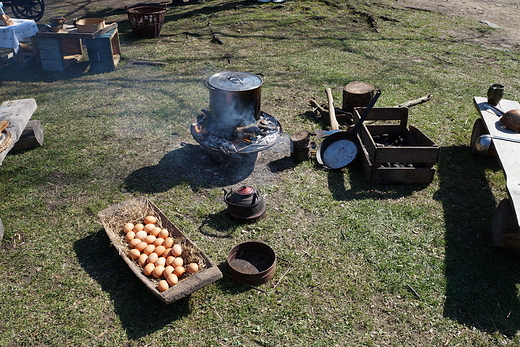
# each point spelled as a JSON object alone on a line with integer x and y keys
{"x": 234, "y": 100}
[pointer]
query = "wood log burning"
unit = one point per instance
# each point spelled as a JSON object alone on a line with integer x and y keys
{"x": 261, "y": 126}
{"x": 255, "y": 137}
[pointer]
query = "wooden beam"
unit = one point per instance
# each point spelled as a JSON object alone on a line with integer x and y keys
{"x": 31, "y": 137}
{"x": 17, "y": 113}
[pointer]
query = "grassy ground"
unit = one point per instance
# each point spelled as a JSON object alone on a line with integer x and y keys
{"x": 364, "y": 264}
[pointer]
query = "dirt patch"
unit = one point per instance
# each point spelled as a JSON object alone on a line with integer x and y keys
{"x": 502, "y": 14}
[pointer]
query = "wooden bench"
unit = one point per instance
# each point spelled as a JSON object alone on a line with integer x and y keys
{"x": 23, "y": 133}
{"x": 505, "y": 225}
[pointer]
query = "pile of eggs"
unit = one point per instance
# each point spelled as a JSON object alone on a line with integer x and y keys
{"x": 156, "y": 252}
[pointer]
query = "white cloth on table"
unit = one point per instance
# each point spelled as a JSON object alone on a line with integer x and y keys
{"x": 10, "y": 36}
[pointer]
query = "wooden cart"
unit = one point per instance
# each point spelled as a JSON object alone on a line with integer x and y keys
{"x": 505, "y": 226}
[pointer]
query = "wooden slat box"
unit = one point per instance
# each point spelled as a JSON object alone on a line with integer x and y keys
{"x": 59, "y": 54}
{"x": 104, "y": 52}
{"x": 419, "y": 150}
{"x": 113, "y": 220}
{"x": 378, "y": 174}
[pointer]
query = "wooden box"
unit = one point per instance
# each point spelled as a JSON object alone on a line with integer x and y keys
{"x": 393, "y": 120}
{"x": 104, "y": 52}
{"x": 113, "y": 220}
{"x": 379, "y": 174}
{"x": 57, "y": 54}
{"x": 409, "y": 162}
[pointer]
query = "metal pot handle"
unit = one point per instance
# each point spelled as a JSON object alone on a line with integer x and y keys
{"x": 234, "y": 79}
{"x": 207, "y": 85}
{"x": 256, "y": 198}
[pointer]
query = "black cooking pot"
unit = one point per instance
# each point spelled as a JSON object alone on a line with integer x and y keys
{"x": 245, "y": 205}
{"x": 234, "y": 100}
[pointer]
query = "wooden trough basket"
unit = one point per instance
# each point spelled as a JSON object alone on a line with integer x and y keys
{"x": 412, "y": 162}
{"x": 133, "y": 211}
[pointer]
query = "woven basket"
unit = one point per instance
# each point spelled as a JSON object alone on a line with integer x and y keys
{"x": 146, "y": 21}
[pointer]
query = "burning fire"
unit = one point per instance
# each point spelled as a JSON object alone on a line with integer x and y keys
{"x": 250, "y": 138}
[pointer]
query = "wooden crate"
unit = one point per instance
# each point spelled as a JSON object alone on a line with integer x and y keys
{"x": 57, "y": 54}
{"x": 379, "y": 174}
{"x": 135, "y": 210}
{"x": 420, "y": 149}
{"x": 419, "y": 153}
{"x": 104, "y": 52}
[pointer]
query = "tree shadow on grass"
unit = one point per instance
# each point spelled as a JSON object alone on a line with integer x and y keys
{"x": 481, "y": 289}
{"x": 128, "y": 294}
{"x": 350, "y": 183}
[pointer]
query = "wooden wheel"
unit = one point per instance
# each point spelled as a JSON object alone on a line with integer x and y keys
{"x": 504, "y": 230}
{"x": 480, "y": 129}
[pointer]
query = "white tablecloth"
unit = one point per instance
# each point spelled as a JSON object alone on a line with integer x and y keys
{"x": 10, "y": 36}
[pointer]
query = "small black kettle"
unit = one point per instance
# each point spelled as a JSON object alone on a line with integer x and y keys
{"x": 245, "y": 205}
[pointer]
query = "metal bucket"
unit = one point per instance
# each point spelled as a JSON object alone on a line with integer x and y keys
{"x": 252, "y": 262}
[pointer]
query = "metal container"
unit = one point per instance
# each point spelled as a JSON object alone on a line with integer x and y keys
{"x": 234, "y": 100}
{"x": 252, "y": 262}
{"x": 245, "y": 205}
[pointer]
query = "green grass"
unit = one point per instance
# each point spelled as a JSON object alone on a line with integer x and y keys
{"x": 360, "y": 264}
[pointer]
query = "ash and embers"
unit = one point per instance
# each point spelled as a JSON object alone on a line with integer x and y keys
{"x": 256, "y": 137}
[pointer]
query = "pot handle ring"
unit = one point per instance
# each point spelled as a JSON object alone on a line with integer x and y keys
{"x": 228, "y": 193}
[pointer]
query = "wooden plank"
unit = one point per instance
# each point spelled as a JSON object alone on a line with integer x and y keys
{"x": 377, "y": 174}
{"x": 69, "y": 31}
{"x": 504, "y": 232}
{"x": 17, "y": 113}
{"x": 507, "y": 152}
{"x": 32, "y": 136}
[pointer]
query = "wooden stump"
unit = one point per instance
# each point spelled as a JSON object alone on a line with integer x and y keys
{"x": 505, "y": 231}
{"x": 301, "y": 150}
{"x": 357, "y": 94}
{"x": 31, "y": 137}
{"x": 480, "y": 129}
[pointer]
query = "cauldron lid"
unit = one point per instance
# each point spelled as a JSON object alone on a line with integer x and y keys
{"x": 235, "y": 81}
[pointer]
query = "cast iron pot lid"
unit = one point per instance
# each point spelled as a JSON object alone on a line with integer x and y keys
{"x": 234, "y": 81}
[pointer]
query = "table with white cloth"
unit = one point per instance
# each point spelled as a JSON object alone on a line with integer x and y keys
{"x": 12, "y": 35}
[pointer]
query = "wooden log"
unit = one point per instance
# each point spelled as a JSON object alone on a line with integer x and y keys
{"x": 480, "y": 129}
{"x": 504, "y": 230}
{"x": 323, "y": 112}
{"x": 357, "y": 94}
{"x": 416, "y": 101}
{"x": 301, "y": 150}
{"x": 17, "y": 113}
{"x": 31, "y": 137}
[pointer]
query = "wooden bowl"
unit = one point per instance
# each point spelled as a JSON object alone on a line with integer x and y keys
{"x": 90, "y": 25}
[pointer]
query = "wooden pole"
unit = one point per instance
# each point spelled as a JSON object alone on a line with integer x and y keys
{"x": 334, "y": 125}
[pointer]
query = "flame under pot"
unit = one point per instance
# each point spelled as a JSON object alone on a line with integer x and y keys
{"x": 234, "y": 100}
{"x": 245, "y": 205}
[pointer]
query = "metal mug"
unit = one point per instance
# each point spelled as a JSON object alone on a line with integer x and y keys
{"x": 495, "y": 93}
